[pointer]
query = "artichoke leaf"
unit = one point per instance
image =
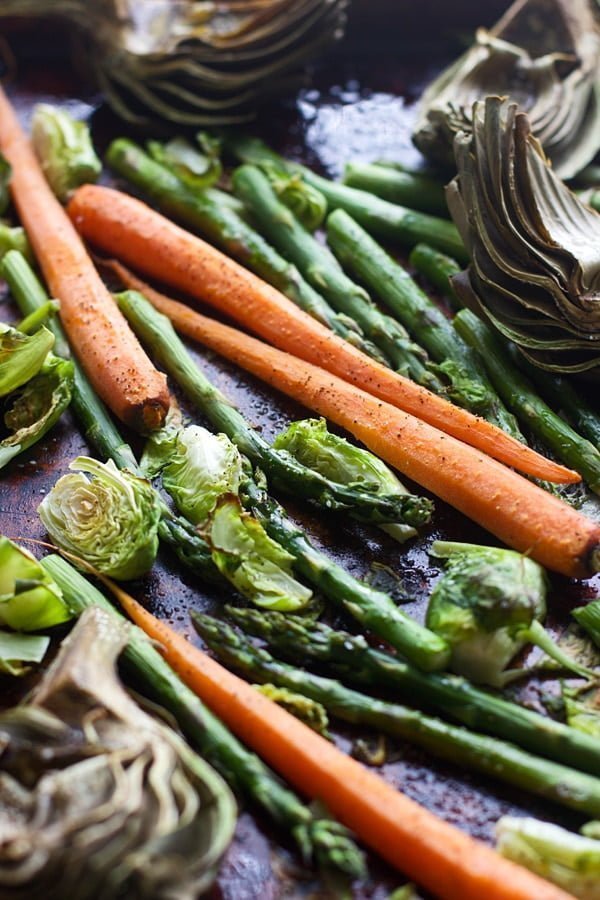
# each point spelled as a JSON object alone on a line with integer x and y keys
{"x": 121, "y": 806}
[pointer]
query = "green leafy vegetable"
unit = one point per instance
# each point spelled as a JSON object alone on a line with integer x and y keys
{"x": 312, "y": 444}
{"x": 254, "y": 563}
{"x": 569, "y": 860}
{"x": 490, "y": 603}
{"x": 32, "y": 410}
{"x": 14, "y": 238}
{"x": 198, "y": 169}
{"x": 198, "y": 467}
{"x": 17, "y": 650}
{"x": 306, "y": 202}
{"x": 582, "y": 709}
{"x": 311, "y": 712}
{"x": 97, "y": 798}
{"x": 21, "y": 356}
{"x": 29, "y": 598}
{"x": 65, "y": 150}
{"x": 110, "y": 520}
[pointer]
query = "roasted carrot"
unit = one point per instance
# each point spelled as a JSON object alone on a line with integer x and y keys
{"x": 436, "y": 854}
{"x": 127, "y": 228}
{"x": 518, "y": 512}
{"x": 108, "y": 350}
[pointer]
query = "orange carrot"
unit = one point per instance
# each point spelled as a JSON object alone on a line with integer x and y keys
{"x": 436, "y": 854}
{"x": 126, "y": 227}
{"x": 108, "y": 350}
{"x": 518, "y": 512}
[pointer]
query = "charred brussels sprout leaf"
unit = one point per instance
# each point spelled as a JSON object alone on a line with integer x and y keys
{"x": 29, "y": 598}
{"x": 65, "y": 150}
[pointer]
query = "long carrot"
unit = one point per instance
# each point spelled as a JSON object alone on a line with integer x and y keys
{"x": 445, "y": 860}
{"x": 107, "y": 348}
{"x": 515, "y": 510}
{"x": 127, "y": 228}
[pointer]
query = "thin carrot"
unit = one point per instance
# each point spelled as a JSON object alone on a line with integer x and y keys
{"x": 439, "y": 856}
{"x": 126, "y": 227}
{"x": 107, "y": 348}
{"x": 518, "y": 512}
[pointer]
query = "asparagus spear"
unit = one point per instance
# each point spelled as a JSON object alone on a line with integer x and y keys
{"x": 521, "y": 397}
{"x": 438, "y": 269}
{"x": 281, "y": 469}
{"x": 374, "y": 609}
{"x": 98, "y": 427}
{"x": 589, "y": 618}
{"x": 209, "y": 212}
{"x": 350, "y": 657}
{"x": 452, "y": 742}
{"x": 386, "y": 278}
{"x": 378, "y": 216}
{"x": 321, "y": 269}
{"x": 397, "y": 186}
{"x": 319, "y": 839}
{"x": 559, "y": 391}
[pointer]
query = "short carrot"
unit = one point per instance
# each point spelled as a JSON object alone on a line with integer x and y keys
{"x": 108, "y": 350}
{"x": 126, "y": 227}
{"x": 518, "y": 512}
{"x": 436, "y": 854}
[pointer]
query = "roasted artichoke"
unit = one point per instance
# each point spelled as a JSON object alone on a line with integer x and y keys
{"x": 542, "y": 54}
{"x": 97, "y": 798}
{"x": 534, "y": 246}
{"x": 190, "y": 62}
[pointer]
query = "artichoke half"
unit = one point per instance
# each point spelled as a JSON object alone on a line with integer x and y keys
{"x": 194, "y": 63}
{"x": 543, "y": 55}
{"x": 97, "y": 798}
{"x": 534, "y": 246}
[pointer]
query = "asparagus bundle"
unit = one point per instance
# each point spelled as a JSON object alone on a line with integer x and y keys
{"x": 374, "y": 609}
{"x": 379, "y": 217}
{"x": 209, "y": 212}
{"x": 318, "y": 839}
{"x": 350, "y": 657}
{"x": 491, "y": 756}
{"x": 364, "y": 257}
{"x": 521, "y": 397}
{"x": 321, "y": 269}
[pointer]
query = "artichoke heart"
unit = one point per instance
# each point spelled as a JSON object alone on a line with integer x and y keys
{"x": 543, "y": 55}
{"x": 97, "y": 798}
{"x": 194, "y": 63}
{"x": 534, "y": 245}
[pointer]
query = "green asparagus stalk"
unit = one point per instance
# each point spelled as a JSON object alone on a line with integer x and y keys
{"x": 387, "y": 279}
{"x": 522, "y": 398}
{"x": 210, "y": 213}
{"x": 438, "y": 269}
{"x": 379, "y": 217}
{"x": 283, "y": 470}
{"x": 350, "y": 658}
{"x": 13, "y": 239}
{"x": 469, "y": 749}
{"x": 589, "y": 618}
{"x": 558, "y": 390}
{"x": 97, "y": 426}
{"x": 322, "y": 270}
{"x": 374, "y": 609}
{"x": 410, "y": 189}
{"x": 319, "y": 839}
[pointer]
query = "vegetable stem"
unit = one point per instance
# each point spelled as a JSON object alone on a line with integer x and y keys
{"x": 408, "y": 188}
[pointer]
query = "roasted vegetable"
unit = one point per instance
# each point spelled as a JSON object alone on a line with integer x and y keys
{"x": 570, "y": 860}
{"x": 535, "y": 270}
{"x": 197, "y": 169}
{"x": 29, "y": 598}
{"x": 64, "y": 148}
{"x": 542, "y": 54}
{"x": 310, "y": 442}
{"x": 21, "y": 356}
{"x": 18, "y": 651}
{"x": 98, "y": 799}
{"x": 488, "y": 605}
{"x": 193, "y": 64}
{"x": 110, "y": 520}
{"x": 35, "y": 407}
